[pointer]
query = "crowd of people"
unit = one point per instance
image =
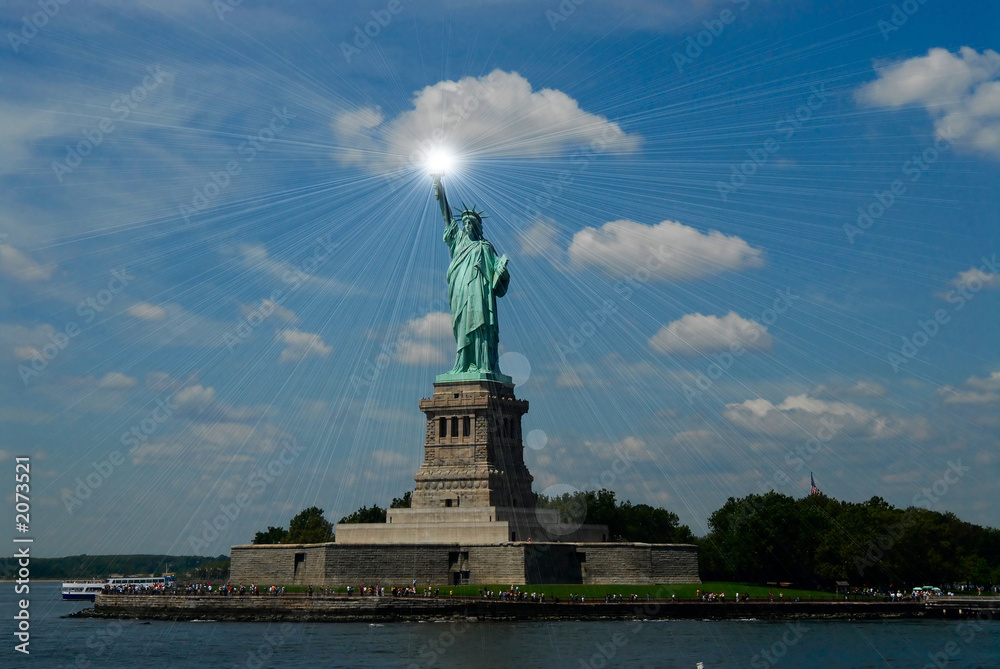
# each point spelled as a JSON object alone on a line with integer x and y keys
{"x": 512, "y": 594}
{"x": 137, "y": 589}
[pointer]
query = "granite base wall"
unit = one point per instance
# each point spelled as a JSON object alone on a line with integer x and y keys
{"x": 333, "y": 565}
{"x": 287, "y": 564}
{"x": 640, "y": 564}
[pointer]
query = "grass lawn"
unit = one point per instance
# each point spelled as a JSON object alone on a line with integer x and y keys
{"x": 680, "y": 590}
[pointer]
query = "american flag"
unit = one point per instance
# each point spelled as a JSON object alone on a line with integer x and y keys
{"x": 813, "y": 490}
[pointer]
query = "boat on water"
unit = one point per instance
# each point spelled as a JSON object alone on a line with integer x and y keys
{"x": 82, "y": 589}
{"x": 89, "y": 589}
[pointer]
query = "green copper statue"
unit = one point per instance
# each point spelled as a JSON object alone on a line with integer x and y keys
{"x": 476, "y": 278}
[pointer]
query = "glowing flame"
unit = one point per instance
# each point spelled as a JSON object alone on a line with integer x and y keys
{"x": 439, "y": 161}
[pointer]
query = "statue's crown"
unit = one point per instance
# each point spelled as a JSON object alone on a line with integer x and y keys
{"x": 480, "y": 215}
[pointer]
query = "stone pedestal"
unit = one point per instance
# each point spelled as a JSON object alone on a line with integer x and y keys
{"x": 473, "y": 454}
{"x": 473, "y": 486}
{"x": 473, "y": 517}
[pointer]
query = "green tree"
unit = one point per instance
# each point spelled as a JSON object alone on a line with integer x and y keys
{"x": 376, "y": 514}
{"x": 625, "y": 521}
{"x": 403, "y": 502}
{"x": 272, "y": 535}
{"x": 818, "y": 540}
{"x": 213, "y": 570}
{"x": 309, "y": 527}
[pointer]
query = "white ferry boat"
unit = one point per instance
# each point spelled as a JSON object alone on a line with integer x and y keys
{"x": 82, "y": 589}
{"x": 89, "y": 589}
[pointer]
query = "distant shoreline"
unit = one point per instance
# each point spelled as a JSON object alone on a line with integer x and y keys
{"x": 297, "y": 608}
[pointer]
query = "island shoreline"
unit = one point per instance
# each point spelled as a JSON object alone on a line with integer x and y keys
{"x": 325, "y": 608}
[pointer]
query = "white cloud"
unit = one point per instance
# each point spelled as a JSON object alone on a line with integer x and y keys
{"x": 696, "y": 333}
{"x": 802, "y": 416}
{"x": 419, "y": 353}
{"x": 255, "y": 257}
{"x": 975, "y": 276}
{"x": 269, "y": 307}
{"x": 956, "y": 396}
{"x": 985, "y": 391}
{"x": 960, "y": 91}
{"x": 669, "y": 250}
{"x": 192, "y": 401}
{"x": 435, "y": 325}
{"x": 695, "y": 437}
{"x": 299, "y": 345}
{"x": 147, "y": 312}
{"x": 25, "y": 342}
{"x": 868, "y": 388}
{"x": 490, "y": 116}
{"x": 860, "y": 389}
{"x": 16, "y": 265}
{"x": 426, "y": 339}
{"x": 193, "y": 398}
{"x": 991, "y": 382}
{"x": 160, "y": 381}
{"x": 539, "y": 239}
{"x": 631, "y": 448}
{"x": 578, "y": 375}
{"x": 27, "y": 353}
{"x": 116, "y": 381}
{"x": 391, "y": 459}
{"x": 211, "y": 446}
{"x": 19, "y": 129}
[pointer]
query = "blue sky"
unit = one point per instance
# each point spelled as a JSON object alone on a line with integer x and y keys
{"x": 748, "y": 240}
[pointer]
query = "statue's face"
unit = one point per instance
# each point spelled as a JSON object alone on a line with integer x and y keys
{"x": 473, "y": 226}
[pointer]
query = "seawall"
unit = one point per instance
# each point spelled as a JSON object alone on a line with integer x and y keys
{"x": 339, "y": 608}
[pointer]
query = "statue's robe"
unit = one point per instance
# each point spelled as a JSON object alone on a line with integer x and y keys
{"x": 473, "y": 286}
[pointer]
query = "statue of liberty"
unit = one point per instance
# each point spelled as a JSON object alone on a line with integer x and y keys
{"x": 476, "y": 278}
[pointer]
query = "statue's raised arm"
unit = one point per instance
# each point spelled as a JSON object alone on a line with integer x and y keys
{"x": 442, "y": 199}
{"x": 476, "y": 278}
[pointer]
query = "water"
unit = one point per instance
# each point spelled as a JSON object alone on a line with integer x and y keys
{"x": 59, "y": 642}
